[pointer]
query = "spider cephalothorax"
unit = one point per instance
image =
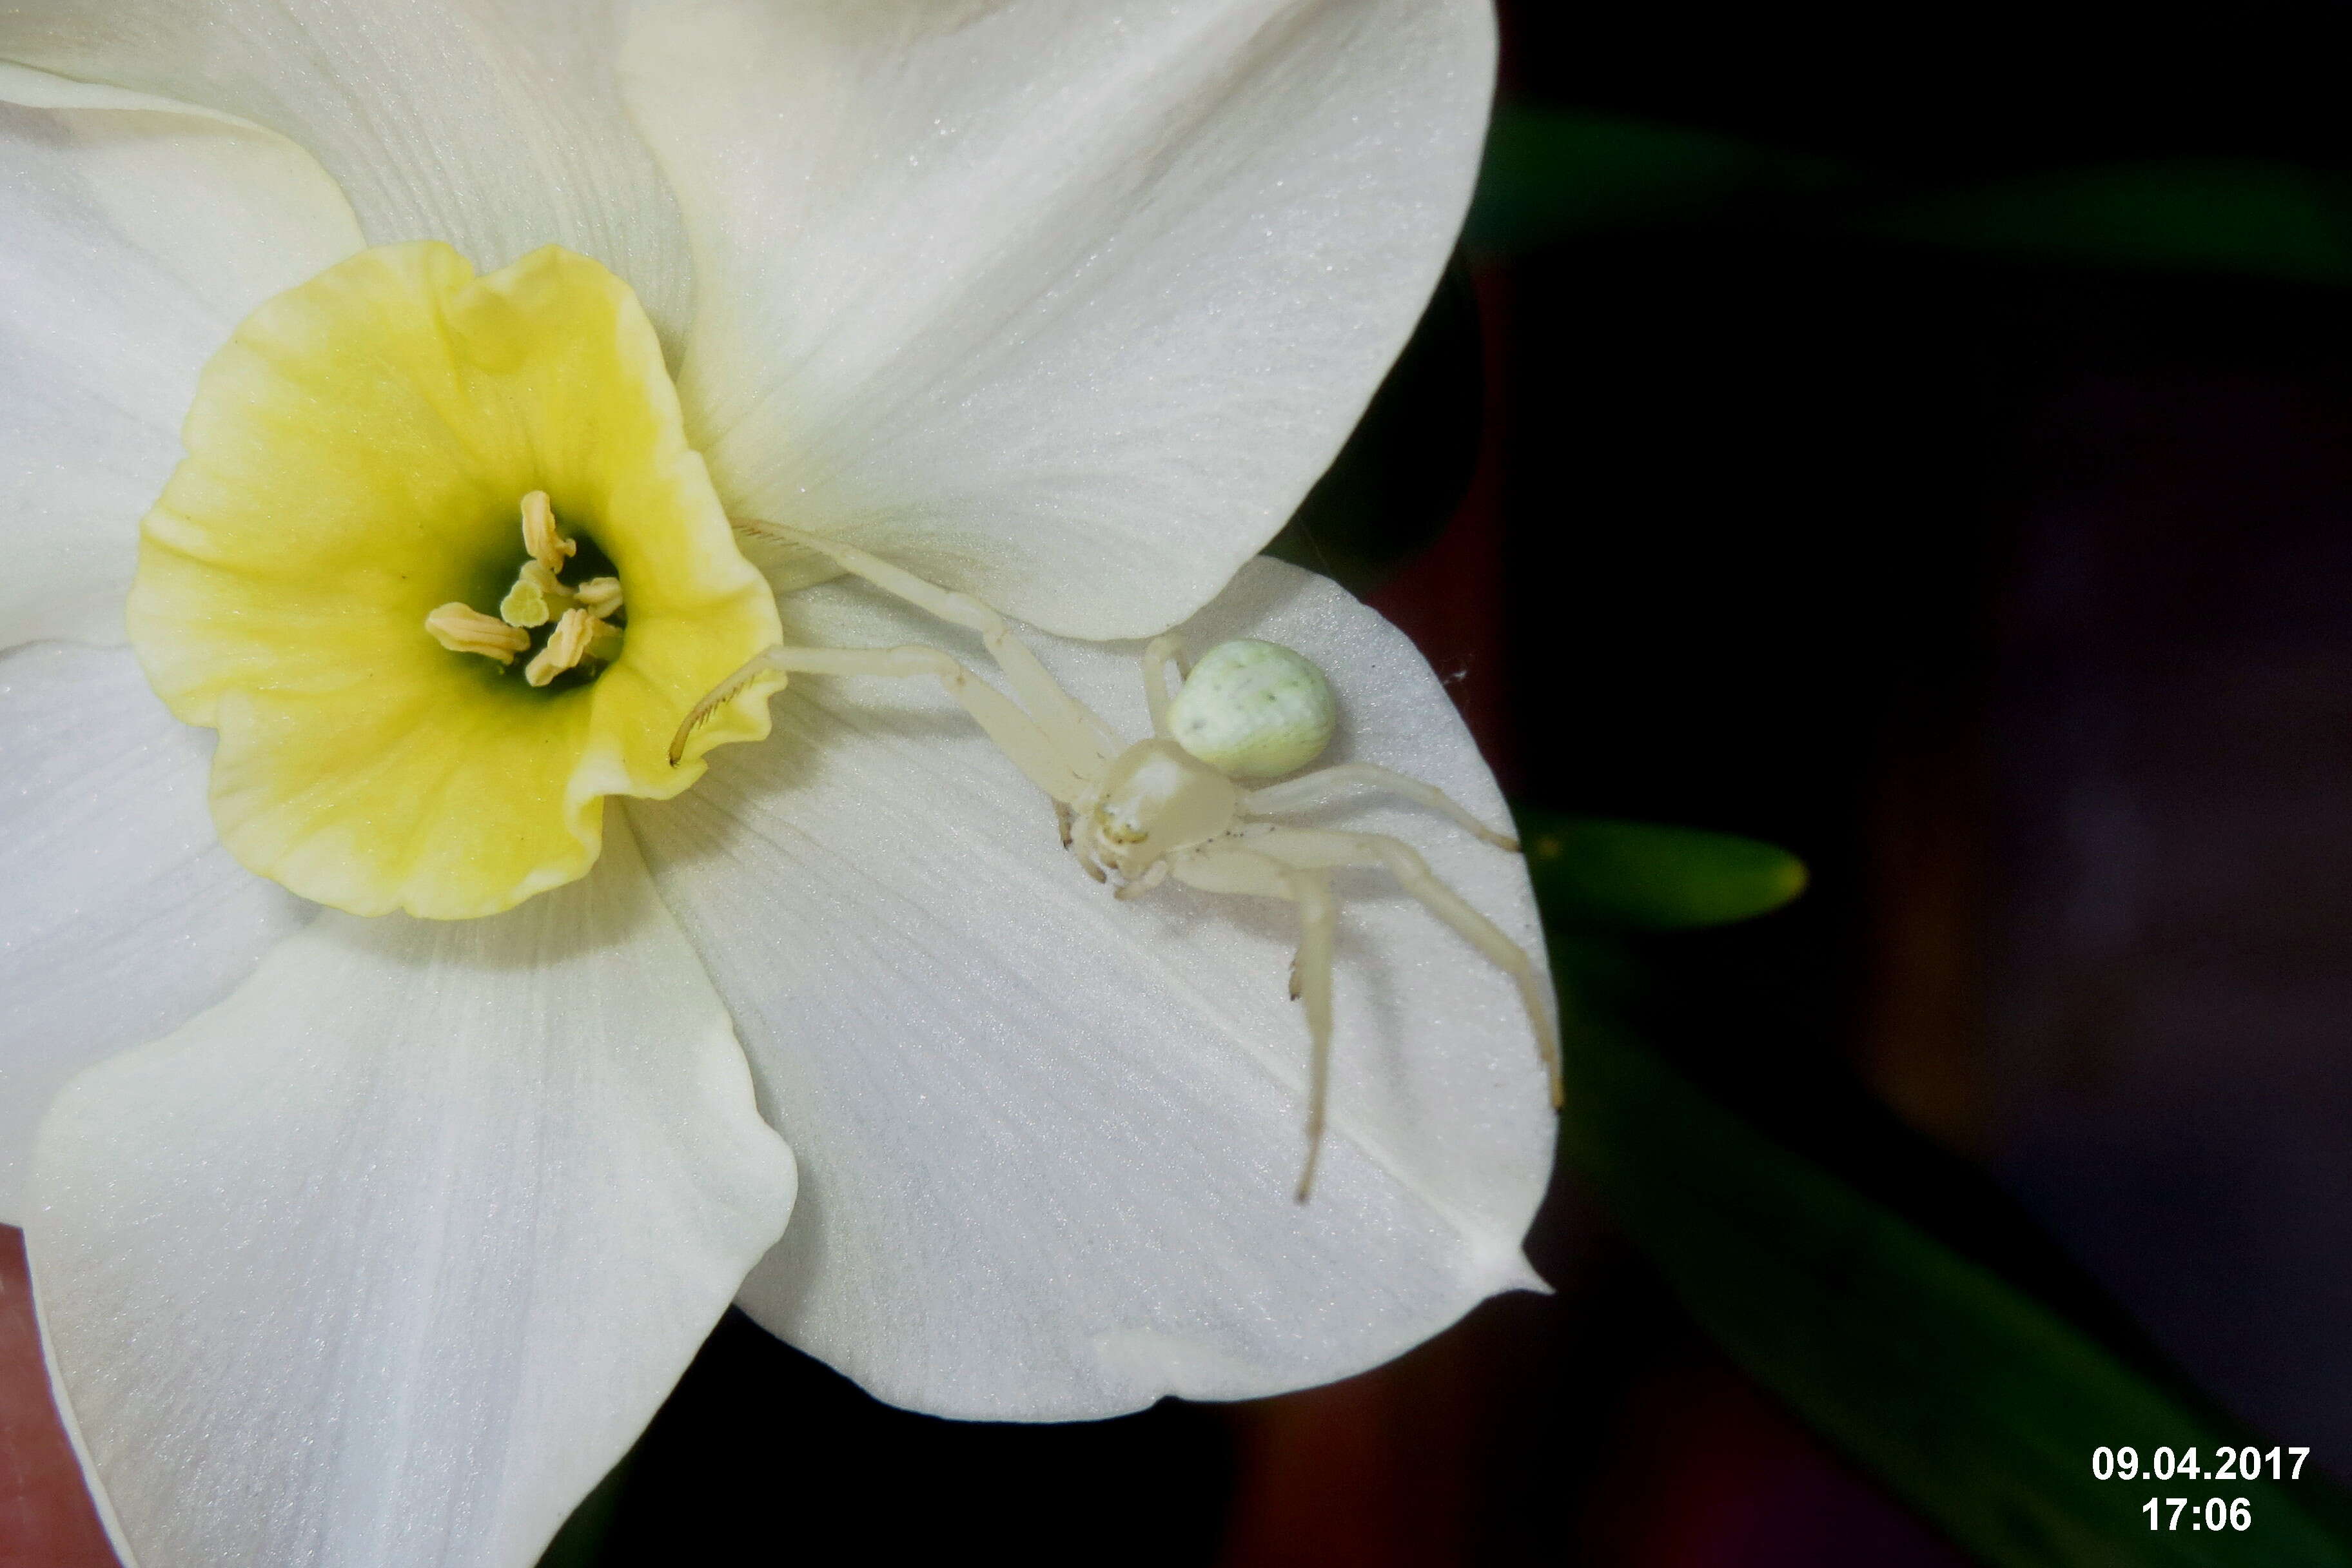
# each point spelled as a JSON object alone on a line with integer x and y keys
{"x": 1175, "y": 802}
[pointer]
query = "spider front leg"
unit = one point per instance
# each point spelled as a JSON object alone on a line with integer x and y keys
{"x": 1017, "y": 735}
{"x": 1302, "y": 849}
{"x": 1072, "y": 728}
{"x": 1327, "y": 784}
{"x": 1162, "y": 652}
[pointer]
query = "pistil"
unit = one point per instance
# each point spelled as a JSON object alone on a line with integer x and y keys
{"x": 537, "y": 597}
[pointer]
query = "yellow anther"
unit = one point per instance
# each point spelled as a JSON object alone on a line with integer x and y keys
{"x": 547, "y": 547}
{"x": 566, "y": 646}
{"x": 600, "y": 597}
{"x": 461, "y": 628}
{"x": 537, "y": 597}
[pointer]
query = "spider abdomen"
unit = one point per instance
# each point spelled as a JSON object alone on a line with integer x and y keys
{"x": 1254, "y": 709}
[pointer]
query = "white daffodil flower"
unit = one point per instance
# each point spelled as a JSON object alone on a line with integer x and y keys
{"x": 365, "y": 1237}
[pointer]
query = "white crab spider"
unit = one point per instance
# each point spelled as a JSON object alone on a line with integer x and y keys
{"x": 1172, "y": 805}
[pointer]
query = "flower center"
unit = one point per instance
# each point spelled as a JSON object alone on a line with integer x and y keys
{"x": 582, "y": 625}
{"x": 412, "y": 714}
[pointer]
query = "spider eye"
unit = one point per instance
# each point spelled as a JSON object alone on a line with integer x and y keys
{"x": 1254, "y": 709}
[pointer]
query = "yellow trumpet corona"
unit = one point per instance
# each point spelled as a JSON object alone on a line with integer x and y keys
{"x": 378, "y": 462}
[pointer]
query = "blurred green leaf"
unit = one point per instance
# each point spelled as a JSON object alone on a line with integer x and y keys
{"x": 1551, "y": 173}
{"x": 2207, "y": 214}
{"x": 1964, "y": 1397}
{"x": 1642, "y": 877}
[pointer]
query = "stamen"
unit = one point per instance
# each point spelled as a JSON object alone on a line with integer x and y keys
{"x": 547, "y": 547}
{"x": 566, "y": 646}
{"x": 600, "y": 597}
{"x": 583, "y": 631}
{"x": 461, "y": 628}
{"x": 536, "y": 598}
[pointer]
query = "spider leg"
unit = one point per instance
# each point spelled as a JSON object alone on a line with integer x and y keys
{"x": 1301, "y": 849}
{"x": 1326, "y": 784}
{"x": 1016, "y": 734}
{"x": 1156, "y": 695}
{"x": 1218, "y": 869}
{"x": 1085, "y": 741}
{"x": 1318, "y": 920}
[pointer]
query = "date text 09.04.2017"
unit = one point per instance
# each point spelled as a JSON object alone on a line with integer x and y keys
{"x": 2229, "y": 1465}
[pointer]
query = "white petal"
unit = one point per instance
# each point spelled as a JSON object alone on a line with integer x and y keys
{"x": 136, "y": 234}
{"x": 1048, "y": 1140}
{"x": 1064, "y": 302}
{"x": 493, "y": 124}
{"x": 124, "y": 917}
{"x": 389, "y": 1257}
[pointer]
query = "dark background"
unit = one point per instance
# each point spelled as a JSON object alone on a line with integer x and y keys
{"x": 2016, "y": 597}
